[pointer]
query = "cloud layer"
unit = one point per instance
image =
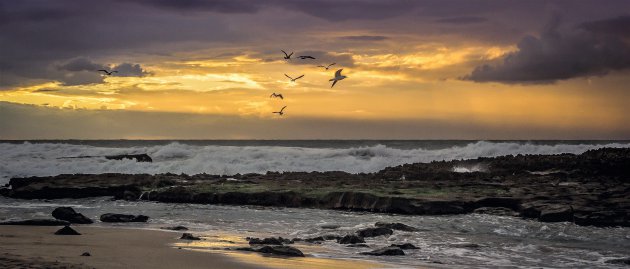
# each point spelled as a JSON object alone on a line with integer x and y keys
{"x": 592, "y": 48}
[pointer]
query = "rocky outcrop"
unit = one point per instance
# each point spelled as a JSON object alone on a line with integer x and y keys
{"x": 37, "y": 222}
{"x": 351, "y": 239}
{"x": 66, "y": 230}
{"x": 387, "y": 251}
{"x": 112, "y": 217}
{"x": 68, "y": 214}
{"x": 592, "y": 188}
{"x": 405, "y": 246}
{"x": 373, "y": 232}
{"x": 275, "y": 250}
{"x": 189, "y": 236}
{"x": 622, "y": 261}
{"x": 138, "y": 157}
{"x": 396, "y": 226}
{"x": 269, "y": 241}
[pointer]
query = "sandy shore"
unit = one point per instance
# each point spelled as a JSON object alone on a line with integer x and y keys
{"x": 38, "y": 247}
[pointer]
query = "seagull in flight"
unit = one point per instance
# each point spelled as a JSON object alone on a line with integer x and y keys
{"x": 278, "y": 95}
{"x": 328, "y": 66}
{"x": 109, "y": 73}
{"x": 306, "y": 57}
{"x": 337, "y": 77}
{"x": 281, "y": 112}
{"x": 287, "y": 56}
{"x": 293, "y": 79}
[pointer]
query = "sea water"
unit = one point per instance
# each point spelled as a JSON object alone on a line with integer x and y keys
{"x": 500, "y": 241}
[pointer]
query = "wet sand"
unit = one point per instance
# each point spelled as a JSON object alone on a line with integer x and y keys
{"x": 38, "y": 247}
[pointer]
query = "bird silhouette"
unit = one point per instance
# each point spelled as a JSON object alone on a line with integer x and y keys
{"x": 337, "y": 77}
{"x": 281, "y": 112}
{"x": 306, "y": 57}
{"x": 286, "y": 56}
{"x": 294, "y": 79}
{"x": 109, "y": 73}
{"x": 277, "y": 95}
{"x": 328, "y": 66}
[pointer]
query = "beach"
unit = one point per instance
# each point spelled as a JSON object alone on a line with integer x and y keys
{"x": 30, "y": 247}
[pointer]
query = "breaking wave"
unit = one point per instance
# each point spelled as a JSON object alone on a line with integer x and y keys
{"x": 42, "y": 159}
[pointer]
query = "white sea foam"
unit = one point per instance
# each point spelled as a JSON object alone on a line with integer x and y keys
{"x": 42, "y": 159}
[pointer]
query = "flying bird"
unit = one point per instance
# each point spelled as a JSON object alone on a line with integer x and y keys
{"x": 337, "y": 77}
{"x": 278, "y": 95}
{"x": 281, "y": 112}
{"x": 306, "y": 57}
{"x": 109, "y": 73}
{"x": 286, "y": 56}
{"x": 328, "y": 66}
{"x": 293, "y": 79}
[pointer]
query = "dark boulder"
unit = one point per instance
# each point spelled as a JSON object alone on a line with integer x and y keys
{"x": 497, "y": 211}
{"x": 387, "y": 251}
{"x": 137, "y": 157}
{"x": 373, "y": 232}
{"x": 276, "y": 250}
{"x": 397, "y": 226}
{"x": 175, "y": 228}
{"x": 112, "y": 217}
{"x": 465, "y": 245}
{"x": 280, "y": 250}
{"x": 351, "y": 239}
{"x": 68, "y": 214}
{"x": 269, "y": 241}
{"x": 86, "y": 254}
{"x": 66, "y": 230}
{"x": 189, "y": 236}
{"x": 405, "y": 246}
{"x": 330, "y": 226}
{"x": 37, "y": 222}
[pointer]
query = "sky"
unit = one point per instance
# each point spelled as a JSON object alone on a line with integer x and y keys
{"x": 204, "y": 69}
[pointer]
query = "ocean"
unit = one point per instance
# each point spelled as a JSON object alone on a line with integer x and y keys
{"x": 458, "y": 241}
{"x": 228, "y": 157}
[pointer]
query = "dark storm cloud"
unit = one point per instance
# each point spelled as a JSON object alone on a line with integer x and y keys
{"x": 81, "y": 64}
{"x": 364, "y": 38}
{"x": 462, "y": 20}
{"x": 130, "y": 70}
{"x": 593, "y": 48}
{"x": 222, "y": 6}
{"x": 38, "y": 35}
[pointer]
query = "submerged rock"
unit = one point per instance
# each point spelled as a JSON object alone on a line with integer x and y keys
{"x": 397, "y": 226}
{"x": 189, "y": 236}
{"x": 137, "y": 157}
{"x": 269, "y": 241}
{"x": 330, "y": 226}
{"x": 112, "y": 217}
{"x": 357, "y": 246}
{"x": 66, "y": 230}
{"x": 68, "y": 214}
{"x": 387, "y": 251}
{"x": 276, "y": 250}
{"x": 37, "y": 222}
{"x": 405, "y": 246}
{"x": 86, "y": 254}
{"x": 373, "y": 232}
{"x": 175, "y": 228}
{"x": 351, "y": 239}
{"x": 622, "y": 261}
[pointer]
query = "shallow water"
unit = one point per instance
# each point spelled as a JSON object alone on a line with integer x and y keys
{"x": 504, "y": 241}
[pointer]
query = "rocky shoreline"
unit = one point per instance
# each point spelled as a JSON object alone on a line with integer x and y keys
{"x": 592, "y": 188}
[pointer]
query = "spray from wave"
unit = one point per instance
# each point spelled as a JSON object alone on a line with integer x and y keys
{"x": 41, "y": 159}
